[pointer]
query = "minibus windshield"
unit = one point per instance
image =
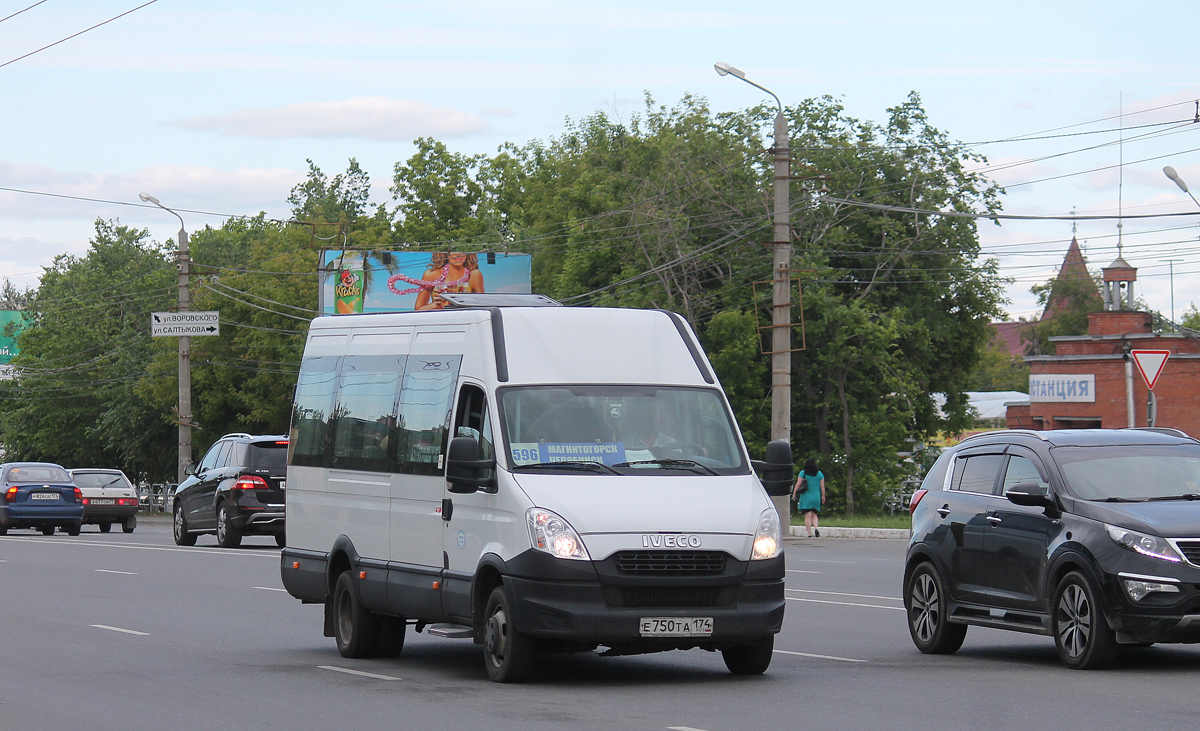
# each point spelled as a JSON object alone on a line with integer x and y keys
{"x": 620, "y": 429}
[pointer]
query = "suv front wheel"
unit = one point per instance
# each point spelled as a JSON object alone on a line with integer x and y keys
{"x": 180, "y": 529}
{"x": 1081, "y": 634}
{"x": 925, "y": 603}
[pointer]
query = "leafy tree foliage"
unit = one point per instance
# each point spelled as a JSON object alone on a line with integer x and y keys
{"x": 669, "y": 209}
{"x": 76, "y": 401}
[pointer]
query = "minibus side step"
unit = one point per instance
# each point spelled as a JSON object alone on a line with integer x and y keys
{"x": 452, "y": 631}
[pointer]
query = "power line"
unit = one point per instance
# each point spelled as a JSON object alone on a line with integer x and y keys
{"x": 75, "y": 35}
{"x": 31, "y": 7}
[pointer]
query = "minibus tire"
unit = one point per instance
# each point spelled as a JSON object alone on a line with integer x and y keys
{"x": 355, "y": 629}
{"x": 391, "y": 636}
{"x": 751, "y": 659}
{"x": 507, "y": 653}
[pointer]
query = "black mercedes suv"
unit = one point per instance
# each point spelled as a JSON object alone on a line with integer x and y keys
{"x": 1091, "y": 536}
{"x": 237, "y": 489}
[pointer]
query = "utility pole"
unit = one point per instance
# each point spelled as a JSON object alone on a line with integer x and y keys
{"x": 1171, "y": 262}
{"x": 781, "y": 280}
{"x": 183, "y": 264}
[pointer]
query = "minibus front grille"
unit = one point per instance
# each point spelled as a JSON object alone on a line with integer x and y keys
{"x": 671, "y": 563}
{"x": 639, "y": 597}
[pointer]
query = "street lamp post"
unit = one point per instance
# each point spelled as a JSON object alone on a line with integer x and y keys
{"x": 1174, "y": 176}
{"x": 185, "y": 348}
{"x": 781, "y": 299}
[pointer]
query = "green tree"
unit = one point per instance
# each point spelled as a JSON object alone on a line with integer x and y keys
{"x": 76, "y": 400}
{"x": 1066, "y": 302}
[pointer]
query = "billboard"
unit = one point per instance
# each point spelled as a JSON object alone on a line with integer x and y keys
{"x": 401, "y": 281}
{"x": 11, "y": 324}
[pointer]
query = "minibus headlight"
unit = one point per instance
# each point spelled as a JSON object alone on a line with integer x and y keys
{"x": 551, "y": 533}
{"x": 767, "y": 539}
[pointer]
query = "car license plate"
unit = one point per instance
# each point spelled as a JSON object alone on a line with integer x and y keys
{"x": 677, "y": 626}
{"x": 44, "y": 496}
{"x": 103, "y": 501}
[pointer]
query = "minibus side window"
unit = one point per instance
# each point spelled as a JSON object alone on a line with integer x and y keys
{"x": 426, "y": 398}
{"x": 313, "y": 411}
{"x": 365, "y": 414}
{"x": 472, "y": 420}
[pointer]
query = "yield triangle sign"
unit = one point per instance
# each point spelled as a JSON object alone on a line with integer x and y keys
{"x": 1150, "y": 363}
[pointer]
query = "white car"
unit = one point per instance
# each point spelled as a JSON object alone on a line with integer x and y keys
{"x": 108, "y": 497}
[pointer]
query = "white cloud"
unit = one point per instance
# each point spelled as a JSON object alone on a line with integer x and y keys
{"x": 373, "y": 118}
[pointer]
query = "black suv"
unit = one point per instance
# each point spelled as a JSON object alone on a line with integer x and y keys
{"x": 237, "y": 489}
{"x": 1091, "y": 536}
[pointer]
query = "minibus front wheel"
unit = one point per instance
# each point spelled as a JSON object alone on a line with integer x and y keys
{"x": 750, "y": 659}
{"x": 507, "y": 653}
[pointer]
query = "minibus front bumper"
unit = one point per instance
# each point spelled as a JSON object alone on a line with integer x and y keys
{"x": 746, "y": 603}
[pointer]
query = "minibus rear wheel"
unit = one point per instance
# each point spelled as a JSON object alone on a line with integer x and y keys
{"x": 356, "y": 630}
{"x": 507, "y": 653}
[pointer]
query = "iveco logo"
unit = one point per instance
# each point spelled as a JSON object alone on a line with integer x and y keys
{"x": 670, "y": 541}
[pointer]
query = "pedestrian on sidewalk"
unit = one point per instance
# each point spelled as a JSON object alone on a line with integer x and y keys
{"x": 809, "y": 494}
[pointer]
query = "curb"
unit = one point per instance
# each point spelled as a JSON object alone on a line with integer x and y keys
{"x": 797, "y": 531}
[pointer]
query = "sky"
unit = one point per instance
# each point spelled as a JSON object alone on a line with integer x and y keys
{"x": 214, "y": 107}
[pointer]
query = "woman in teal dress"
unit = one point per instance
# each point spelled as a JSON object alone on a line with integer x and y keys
{"x": 810, "y": 496}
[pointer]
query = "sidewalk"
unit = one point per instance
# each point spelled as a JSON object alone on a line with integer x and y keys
{"x": 797, "y": 531}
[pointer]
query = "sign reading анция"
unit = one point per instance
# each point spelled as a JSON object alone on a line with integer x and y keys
{"x": 1064, "y": 387}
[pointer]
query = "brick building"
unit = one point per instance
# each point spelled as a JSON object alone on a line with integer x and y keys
{"x": 1085, "y": 384}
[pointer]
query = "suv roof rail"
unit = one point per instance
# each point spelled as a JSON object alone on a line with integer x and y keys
{"x": 1171, "y": 431}
{"x": 235, "y": 434}
{"x": 1024, "y": 432}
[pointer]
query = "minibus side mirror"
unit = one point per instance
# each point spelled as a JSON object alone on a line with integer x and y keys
{"x": 465, "y": 470}
{"x": 189, "y": 469}
{"x": 776, "y": 470}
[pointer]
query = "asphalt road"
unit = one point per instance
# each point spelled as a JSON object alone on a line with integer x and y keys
{"x": 126, "y": 632}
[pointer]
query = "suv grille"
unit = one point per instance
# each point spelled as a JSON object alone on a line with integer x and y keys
{"x": 1190, "y": 549}
{"x": 635, "y": 597}
{"x": 671, "y": 563}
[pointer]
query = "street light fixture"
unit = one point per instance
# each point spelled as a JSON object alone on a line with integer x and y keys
{"x": 185, "y": 348}
{"x": 1170, "y": 173}
{"x": 781, "y": 300}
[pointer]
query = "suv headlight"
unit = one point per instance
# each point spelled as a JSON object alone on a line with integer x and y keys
{"x": 550, "y": 532}
{"x": 1143, "y": 543}
{"x": 767, "y": 539}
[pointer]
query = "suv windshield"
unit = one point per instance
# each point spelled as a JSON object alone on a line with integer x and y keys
{"x": 99, "y": 479}
{"x": 1131, "y": 472}
{"x": 626, "y": 429}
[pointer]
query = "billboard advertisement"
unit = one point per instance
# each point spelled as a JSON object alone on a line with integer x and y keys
{"x": 403, "y": 281}
{"x": 11, "y": 323}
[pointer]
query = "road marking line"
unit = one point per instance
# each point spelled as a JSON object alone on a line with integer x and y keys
{"x": 110, "y": 571}
{"x": 118, "y": 629}
{"x": 844, "y": 604}
{"x": 800, "y": 571}
{"x": 274, "y": 555}
{"x": 684, "y": 728}
{"x": 267, "y": 588}
{"x": 819, "y": 657}
{"x": 821, "y": 560}
{"x": 348, "y": 671}
{"x": 842, "y": 593}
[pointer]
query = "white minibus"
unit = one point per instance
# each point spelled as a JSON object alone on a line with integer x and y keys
{"x": 533, "y": 477}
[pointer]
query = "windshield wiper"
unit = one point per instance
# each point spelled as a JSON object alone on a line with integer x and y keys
{"x": 573, "y": 465}
{"x": 1185, "y": 496}
{"x": 686, "y": 464}
{"x": 1116, "y": 499}
{"x": 113, "y": 481}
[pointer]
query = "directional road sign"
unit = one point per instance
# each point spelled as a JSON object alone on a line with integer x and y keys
{"x": 192, "y": 324}
{"x": 1150, "y": 364}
